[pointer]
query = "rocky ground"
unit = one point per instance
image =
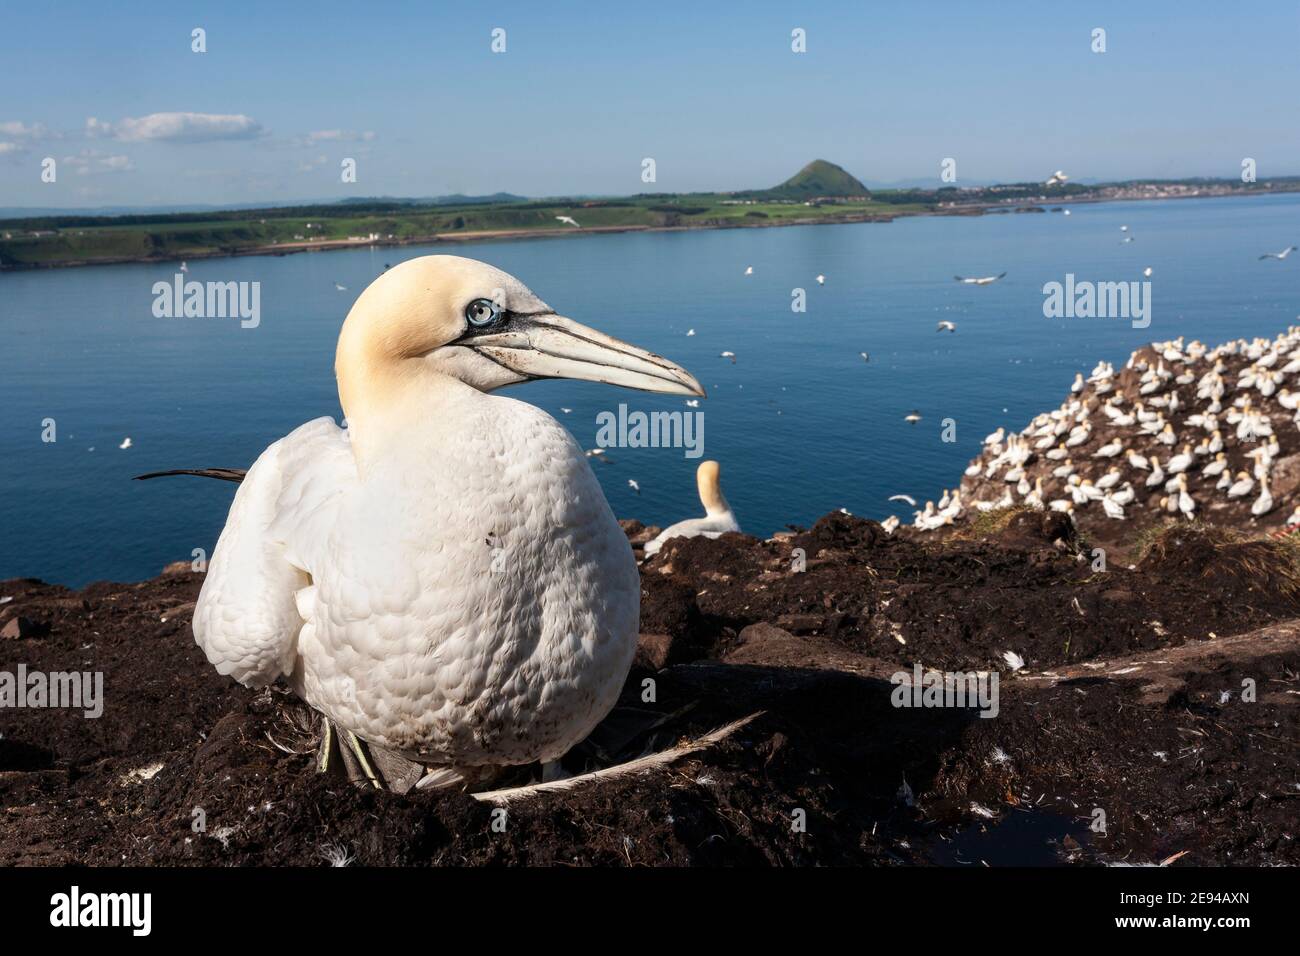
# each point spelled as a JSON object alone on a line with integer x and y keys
{"x": 1162, "y": 698}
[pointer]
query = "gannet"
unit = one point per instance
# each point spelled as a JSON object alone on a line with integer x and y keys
{"x": 983, "y": 280}
{"x": 568, "y": 221}
{"x": 1279, "y": 255}
{"x": 443, "y": 580}
{"x": 946, "y": 326}
{"x": 718, "y": 518}
{"x": 126, "y": 443}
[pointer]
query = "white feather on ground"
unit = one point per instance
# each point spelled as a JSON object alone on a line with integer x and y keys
{"x": 640, "y": 765}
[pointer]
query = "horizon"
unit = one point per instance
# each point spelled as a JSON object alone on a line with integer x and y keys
{"x": 134, "y": 118}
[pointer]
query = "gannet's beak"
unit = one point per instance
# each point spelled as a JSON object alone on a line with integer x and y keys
{"x": 551, "y": 346}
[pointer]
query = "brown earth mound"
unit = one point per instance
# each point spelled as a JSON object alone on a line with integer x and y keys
{"x": 1142, "y": 703}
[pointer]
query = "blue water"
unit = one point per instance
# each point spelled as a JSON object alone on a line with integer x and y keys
{"x": 801, "y": 424}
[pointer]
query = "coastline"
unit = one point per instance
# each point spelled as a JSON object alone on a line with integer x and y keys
{"x": 455, "y": 238}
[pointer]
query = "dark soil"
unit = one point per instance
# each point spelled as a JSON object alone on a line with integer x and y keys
{"x": 1131, "y": 705}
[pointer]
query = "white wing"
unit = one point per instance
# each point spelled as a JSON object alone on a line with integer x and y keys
{"x": 247, "y": 619}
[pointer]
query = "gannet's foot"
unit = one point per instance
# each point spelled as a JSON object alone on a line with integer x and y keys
{"x": 365, "y": 765}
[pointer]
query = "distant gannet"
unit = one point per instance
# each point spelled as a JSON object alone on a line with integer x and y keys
{"x": 443, "y": 580}
{"x": 908, "y": 498}
{"x": 126, "y": 443}
{"x": 631, "y": 483}
{"x": 821, "y": 280}
{"x": 568, "y": 221}
{"x": 1279, "y": 255}
{"x": 717, "y": 520}
{"x": 749, "y": 270}
{"x": 185, "y": 266}
{"x": 945, "y": 326}
{"x": 728, "y": 355}
{"x": 985, "y": 280}
{"x": 340, "y": 287}
{"x": 912, "y": 417}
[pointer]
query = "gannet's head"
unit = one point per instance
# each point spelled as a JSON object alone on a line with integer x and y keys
{"x": 470, "y": 321}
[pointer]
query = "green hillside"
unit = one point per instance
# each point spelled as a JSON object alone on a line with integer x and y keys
{"x": 820, "y": 178}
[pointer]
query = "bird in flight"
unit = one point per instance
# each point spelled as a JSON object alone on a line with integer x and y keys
{"x": 568, "y": 221}
{"x": 1279, "y": 255}
{"x": 983, "y": 280}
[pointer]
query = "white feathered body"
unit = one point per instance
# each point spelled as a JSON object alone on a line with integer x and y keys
{"x": 464, "y": 598}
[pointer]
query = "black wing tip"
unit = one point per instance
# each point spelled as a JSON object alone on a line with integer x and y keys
{"x": 221, "y": 474}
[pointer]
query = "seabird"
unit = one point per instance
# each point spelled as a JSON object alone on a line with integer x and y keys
{"x": 908, "y": 498}
{"x": 1057, "y": 178}
{"x": 126, "y": 443}
{"x": 340, "y": 287}
{"x": 185, "y": 266}
{"x": 821, "y": 280}
{"x": 945, "y": 326}
{"x": 354, "y": 565}
{"x": 912, "y": 417}
{"x": 985, "y": 280}
{"x": 1279, "y": 255}
{"x": 718, "y": 518}
{"x": 749, "y": 270}
{"x": 631, "y": 483}
{"x": 728, "y": 355}
{"x": 568, "y": 221}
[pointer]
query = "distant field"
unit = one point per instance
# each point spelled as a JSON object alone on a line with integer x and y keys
{"x": 77, "y": 239}
{"x": 87, "y": 239}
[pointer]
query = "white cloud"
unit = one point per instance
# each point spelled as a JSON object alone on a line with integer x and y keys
{"x": 9, "y": 149}
{"x": 90, "y": 161}
{"x": 16, "y": 129}
{"x": 177, "y": 127}
{"x": 336, "y": 136}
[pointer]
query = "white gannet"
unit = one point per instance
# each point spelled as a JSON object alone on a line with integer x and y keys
{"x": 185, "y": 266}
{"x": 908, "y": 498}
{"x": 749, "y": 270}
{"x": 443, "y": 579}
{"x": 728, "y": 355}
{"x": 632, "y": 483}
{"x": 1279, "y": 255}
{"x": 568, "y": 221}
{"x": 718, "y": 518}
{"x": 946, "y": 326}
{"x": 1057, "y": 178}
{"x": 912, "y": 417}
{"x": 340, "y": 287}
{"x": 126, "y": 443}
{"x": 821, "y": 280}
{"x": 983, "y": 280}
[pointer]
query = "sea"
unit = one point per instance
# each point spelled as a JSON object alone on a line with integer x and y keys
{"x": 808, "y": 418}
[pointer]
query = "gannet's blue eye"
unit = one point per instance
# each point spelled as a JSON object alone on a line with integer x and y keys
{"x": 482, "y": 312}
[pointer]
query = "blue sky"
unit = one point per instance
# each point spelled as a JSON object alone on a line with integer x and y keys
{"x": 584, "y": 91}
